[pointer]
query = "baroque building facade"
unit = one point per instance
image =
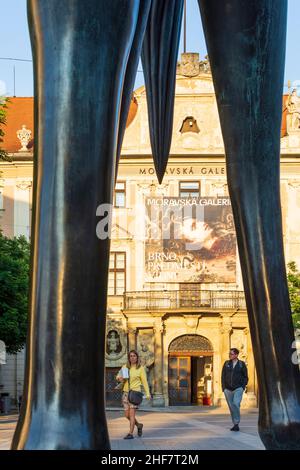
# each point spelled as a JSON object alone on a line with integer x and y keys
{"x": 175, "y": 285}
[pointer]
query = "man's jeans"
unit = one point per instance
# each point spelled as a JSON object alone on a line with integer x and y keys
{"x": 234, "y": 398}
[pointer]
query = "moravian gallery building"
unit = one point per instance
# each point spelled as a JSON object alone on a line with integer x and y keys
{"x": 175, "y": 286}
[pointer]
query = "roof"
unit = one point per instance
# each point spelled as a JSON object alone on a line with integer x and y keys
{"x": 132, "y": 111}
{"x": 20, "y": 112}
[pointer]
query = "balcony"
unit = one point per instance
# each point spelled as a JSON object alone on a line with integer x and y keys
{"x": 184, "y": 300}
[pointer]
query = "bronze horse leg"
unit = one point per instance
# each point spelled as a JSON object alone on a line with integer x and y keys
{"x": 80, "y": 50}
{"x": 246, "y": 47}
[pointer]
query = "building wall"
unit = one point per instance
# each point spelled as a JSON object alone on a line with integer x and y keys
{"x": 12, "y": 376}
{"x": 194, "y": 156}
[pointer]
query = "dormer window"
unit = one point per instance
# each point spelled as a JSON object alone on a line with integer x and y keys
{"x": 120, "y": 194}
{"x": 189, "y": 125}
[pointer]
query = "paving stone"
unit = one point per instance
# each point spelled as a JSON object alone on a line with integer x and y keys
{"x": 174, "y": 429}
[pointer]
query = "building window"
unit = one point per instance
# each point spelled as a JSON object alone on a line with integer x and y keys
{"x": 120, "y": 194}
{"x": 189, "y": 188}
{"x": 117, "y": 273}
{"x": 189, "y": 125}
{"x": 1, "y": 200}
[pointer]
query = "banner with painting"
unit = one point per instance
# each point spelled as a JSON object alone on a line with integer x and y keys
{"x": 190, "y": 240}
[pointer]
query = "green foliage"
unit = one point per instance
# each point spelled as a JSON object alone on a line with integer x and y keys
{"x": 3, "y": 108}
{"x": 14, "y": 282}
{"x": 294, "y": 290}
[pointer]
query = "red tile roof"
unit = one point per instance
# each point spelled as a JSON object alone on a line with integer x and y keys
{"x": 20, "y": 111}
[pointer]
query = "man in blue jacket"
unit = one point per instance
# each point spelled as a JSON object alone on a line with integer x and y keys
{"x": 234, "y": 381}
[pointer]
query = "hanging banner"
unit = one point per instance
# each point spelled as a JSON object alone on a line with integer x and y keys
{"x": 190, "y": 240}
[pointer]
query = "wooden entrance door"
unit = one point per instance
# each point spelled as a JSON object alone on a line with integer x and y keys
{"x": 179, "y": 380}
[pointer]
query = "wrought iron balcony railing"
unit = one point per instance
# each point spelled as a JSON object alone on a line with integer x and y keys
{"x": 183, "y": 299}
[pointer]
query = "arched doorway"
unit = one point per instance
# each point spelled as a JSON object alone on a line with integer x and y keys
{"x": 190, "y": 371}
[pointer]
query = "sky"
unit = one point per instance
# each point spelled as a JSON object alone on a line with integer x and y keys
{"x": 15, "y": 43}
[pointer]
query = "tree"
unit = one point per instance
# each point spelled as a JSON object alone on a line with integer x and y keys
{"x": 294, "y": 290}
{"x": 14, "y": 284}
{"x": 3, "y": 109}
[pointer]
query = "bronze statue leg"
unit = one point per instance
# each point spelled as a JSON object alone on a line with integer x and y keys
{"x": 246, "y": 47}
{"x": 159, "y": 57}
{"x": 80, "y": 53}
{"x": 131, "y": 70}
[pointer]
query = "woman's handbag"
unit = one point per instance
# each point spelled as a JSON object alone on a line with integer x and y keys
{"x": 135, "y": 398}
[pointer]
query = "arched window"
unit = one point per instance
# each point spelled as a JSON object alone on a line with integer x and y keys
{"x": 191, "y": 343}
{"x": 189, "y": 125}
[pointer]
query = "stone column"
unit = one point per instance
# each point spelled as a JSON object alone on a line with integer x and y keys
{"x": 1, "y": 193}
{"x": 226, "y": 331}
{"x": 22, "y": 208}
{"x": 251, "y": 391}
{"x": 158, "y": 396}
{"x": 131, "y": 338}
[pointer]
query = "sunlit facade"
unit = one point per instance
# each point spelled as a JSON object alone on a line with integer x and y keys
{"x": 175, "y": 290}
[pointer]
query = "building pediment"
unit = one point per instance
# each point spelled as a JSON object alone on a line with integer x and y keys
{"x": 120, "y": 232}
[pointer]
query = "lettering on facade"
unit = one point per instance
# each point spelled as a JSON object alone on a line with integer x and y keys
{"x": 192, "y": 201}
{"x": 178, "y": 171}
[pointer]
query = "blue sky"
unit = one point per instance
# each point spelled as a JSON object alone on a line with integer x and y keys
{"x": 15, "y": 43}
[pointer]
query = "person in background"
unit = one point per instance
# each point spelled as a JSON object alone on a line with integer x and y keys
{"x": 137, "y": 378}
{"x": 234, "y": 381}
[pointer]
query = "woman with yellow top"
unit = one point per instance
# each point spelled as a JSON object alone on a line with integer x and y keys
{"x": 137, "y": 377}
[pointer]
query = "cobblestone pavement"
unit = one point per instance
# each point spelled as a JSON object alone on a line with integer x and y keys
{"x": 172, "y": 429}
